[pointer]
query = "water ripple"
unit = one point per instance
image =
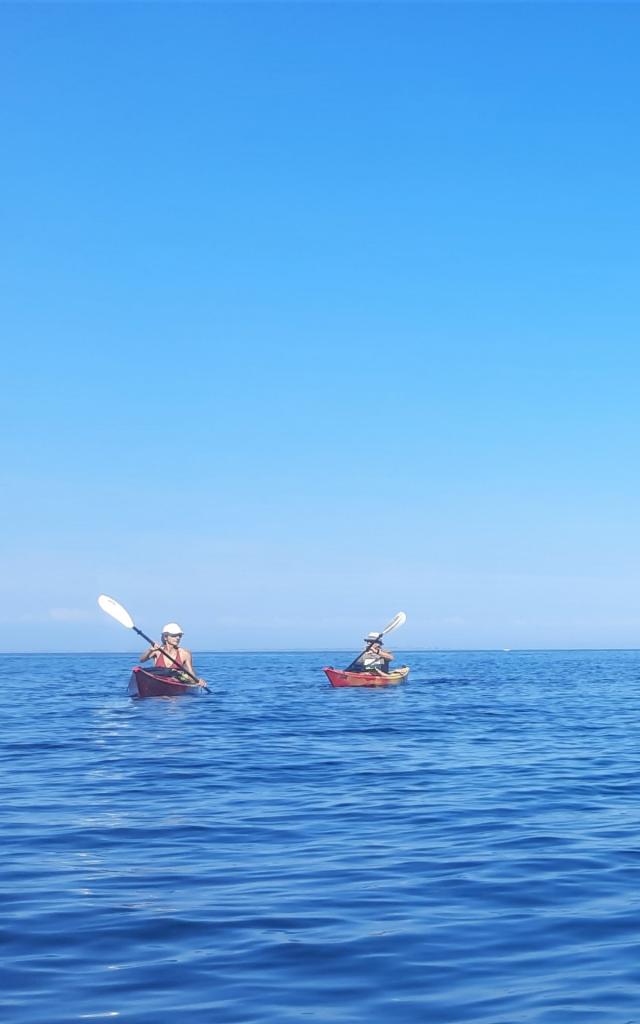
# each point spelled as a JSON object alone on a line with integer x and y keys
{"x": 464, "y": 848}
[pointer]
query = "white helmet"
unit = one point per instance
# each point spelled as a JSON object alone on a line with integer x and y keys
{"x": 172, "y": 627}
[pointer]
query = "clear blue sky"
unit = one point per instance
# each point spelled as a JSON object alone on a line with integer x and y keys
{"x": 313, "y": 313}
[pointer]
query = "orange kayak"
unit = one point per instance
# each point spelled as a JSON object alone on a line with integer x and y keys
{"x": 338, "y": 677}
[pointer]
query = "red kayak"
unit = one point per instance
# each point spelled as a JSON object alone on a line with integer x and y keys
{"x": 147, "y": 683}
{"x": 340, "y": 678}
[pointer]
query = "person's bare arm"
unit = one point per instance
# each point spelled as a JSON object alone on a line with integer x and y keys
{"x": 188, "y": 664}
{"x": 149, "y": 653}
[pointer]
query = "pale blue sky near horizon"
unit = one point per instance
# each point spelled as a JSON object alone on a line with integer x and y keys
{"x": 316, "y": 312}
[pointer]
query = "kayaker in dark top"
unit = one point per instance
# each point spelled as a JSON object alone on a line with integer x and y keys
{"x": 374, "y": 658}
{"x": 170, "y": 644}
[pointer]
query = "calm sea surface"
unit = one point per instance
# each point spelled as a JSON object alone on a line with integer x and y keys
{"x": 464, "y": 848}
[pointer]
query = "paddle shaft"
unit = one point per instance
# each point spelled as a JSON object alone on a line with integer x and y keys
{"x": 165, "y": 655}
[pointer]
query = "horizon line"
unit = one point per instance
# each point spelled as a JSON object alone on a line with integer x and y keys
{"x": 348, "y": 650}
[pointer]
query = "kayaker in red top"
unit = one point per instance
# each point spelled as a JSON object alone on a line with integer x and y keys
{"x": 170, "y": 644}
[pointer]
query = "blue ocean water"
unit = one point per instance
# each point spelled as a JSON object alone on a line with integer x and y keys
{"x": 464, "y": 848}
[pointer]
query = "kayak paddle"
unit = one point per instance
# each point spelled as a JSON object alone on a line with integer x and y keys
{"x": 397, "y": 620}
{"x": 121, "y": 615}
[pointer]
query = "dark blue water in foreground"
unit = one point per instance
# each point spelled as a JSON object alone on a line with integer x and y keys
{"x": 465, "y": 848}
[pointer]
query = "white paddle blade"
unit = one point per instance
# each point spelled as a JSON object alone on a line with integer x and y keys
{"x": 115, "y": 610}
{"x": 399, "y": 620}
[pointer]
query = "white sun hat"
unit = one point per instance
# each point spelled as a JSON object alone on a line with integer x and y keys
{"x": 172, "y": 627}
